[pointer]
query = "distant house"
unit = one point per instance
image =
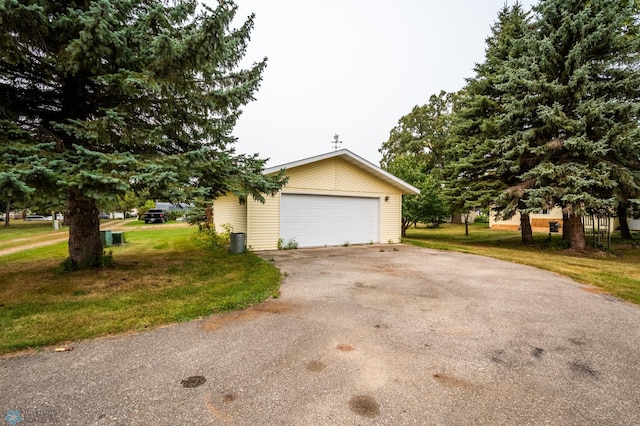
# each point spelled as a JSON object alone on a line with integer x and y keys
{"x": 332, "y": 199}
{"x": 540, "y": 221}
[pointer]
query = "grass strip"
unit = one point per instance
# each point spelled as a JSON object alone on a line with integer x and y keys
{"x": 18, "y": 231}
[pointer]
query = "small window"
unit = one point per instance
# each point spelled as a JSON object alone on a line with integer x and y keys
{"x": 544, "y": 211}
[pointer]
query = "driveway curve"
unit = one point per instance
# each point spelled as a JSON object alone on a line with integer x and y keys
{"x": 379, "y": 334}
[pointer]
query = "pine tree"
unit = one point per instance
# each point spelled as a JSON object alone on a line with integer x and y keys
{"x": 472, "y": 171}
{"x": 21, "y": 170}
{"x": 573, "y": 98}
{"x": 104, "y": 96}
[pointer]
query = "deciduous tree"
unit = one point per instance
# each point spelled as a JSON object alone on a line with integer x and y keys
{"x": 415, "y": 153}
{"x": 430, "y": 206}
{"x": 423, "y": 133}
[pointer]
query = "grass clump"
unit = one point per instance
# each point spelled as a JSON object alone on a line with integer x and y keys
{"x": 162, "y": 275}
{"x": 291, "y": 244}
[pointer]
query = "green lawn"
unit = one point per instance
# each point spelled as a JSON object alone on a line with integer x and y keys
{"x": 616, "y": 270}
{"x": 24, "y": 229}
{"x": 162, "y": 275}
{"x": 140, "y": 223}
{"x": 21, "y": 232}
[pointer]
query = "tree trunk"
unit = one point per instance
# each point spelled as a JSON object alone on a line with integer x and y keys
{"x": 625, "y": 233}
{"x": 7, "y": 210}
{"x": 565, "y": 226}
{"x": 406, "y": 224}
{"x": 525, "y": 229}
{"x": 576, "y": 232}
{"x": 85, "y": 246}
{"x": 456, "y": 218}
{"x": 208, "y": 212}
{"x": 466, "y": 224}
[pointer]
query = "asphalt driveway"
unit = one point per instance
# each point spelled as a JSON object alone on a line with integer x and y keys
{"x": 380, "y": 334}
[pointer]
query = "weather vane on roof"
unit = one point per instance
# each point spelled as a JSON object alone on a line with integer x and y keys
{"x": 336, "y": 142}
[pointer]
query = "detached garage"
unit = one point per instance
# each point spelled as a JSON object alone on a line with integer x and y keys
{"x": 333, "y": 199}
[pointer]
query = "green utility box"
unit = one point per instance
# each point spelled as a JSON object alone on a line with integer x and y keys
{"x": 107, "y": 238}
{"x": 118, "y": 238}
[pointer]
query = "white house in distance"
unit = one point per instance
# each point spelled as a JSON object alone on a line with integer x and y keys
{"x": 332, "y": 199}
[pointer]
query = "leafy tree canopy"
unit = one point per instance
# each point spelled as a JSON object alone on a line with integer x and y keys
{"x": 414, "y": 152}
{"x": 422, "y": 133}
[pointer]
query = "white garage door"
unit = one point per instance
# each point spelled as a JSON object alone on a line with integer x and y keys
{"x": 318, "y": 220}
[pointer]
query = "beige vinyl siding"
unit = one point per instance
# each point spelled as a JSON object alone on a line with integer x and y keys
{"x": 264, "y": 223}
{"x": 228, "y": 210}
{"x": 391, "y": 219}
{"x": 351, "y": 178}
{"x": 336, "y": 175}
{"x": 316, "y": 176}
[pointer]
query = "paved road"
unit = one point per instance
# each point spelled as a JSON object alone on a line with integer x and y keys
{"x": 360, "y": 335}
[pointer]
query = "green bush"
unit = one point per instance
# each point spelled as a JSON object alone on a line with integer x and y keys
{"x": 483, "y": 218}
{"x": 213, "y": 238}
{"x": 292, "y": 244}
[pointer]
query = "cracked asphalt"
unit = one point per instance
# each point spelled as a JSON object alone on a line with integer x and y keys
{"x": 380, "y": 334}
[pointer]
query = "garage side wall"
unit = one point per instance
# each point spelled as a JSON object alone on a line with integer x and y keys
{"x": 391, "y": 219}
{"x": 227, "y": 210}
{"x": 263, "y": 221}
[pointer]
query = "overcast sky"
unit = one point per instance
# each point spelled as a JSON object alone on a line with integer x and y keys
{"x": 353, "y": 68}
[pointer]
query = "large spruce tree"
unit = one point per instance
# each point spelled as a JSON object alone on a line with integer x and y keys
{"x": 572, "y": 109}
{"x": 98, "y": 97}
{"x": 473, "y": 176}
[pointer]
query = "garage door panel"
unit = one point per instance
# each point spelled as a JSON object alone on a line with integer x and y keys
{"x": 316, "y": 220}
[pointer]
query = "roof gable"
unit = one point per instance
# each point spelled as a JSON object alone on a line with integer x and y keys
{"x": 355, "y": 160}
